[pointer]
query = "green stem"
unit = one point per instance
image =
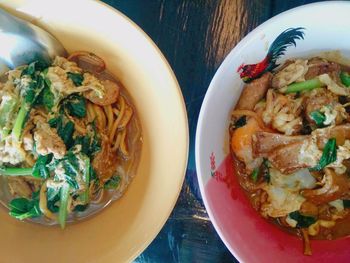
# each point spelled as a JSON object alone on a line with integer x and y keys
{"x": 14, "y": 171}
{"x": 19, "y": 123}
{"x": 85, "y": 195}
{"x": 63, "y": 211}
{"x": 303, "y": 86}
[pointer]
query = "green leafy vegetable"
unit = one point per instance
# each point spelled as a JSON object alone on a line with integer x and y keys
{"x": 39, "y": 169}
{"x": 80, "y": 208}
{"x": 303, "y": 86}
{"x": 255, "y": 174}
{"x": 33, "y": 67}
{"x": 66, "y": 133}
{"x": 113, "y": 182}
{"x": 318, "y": 117}
{"x": 345, "y": 78}
{"x": 48, "y": 99}
{"x": 90, "y": 143}
{"x": 63, "y": 210}
{"x": 15, "y": 171}
{"x": 303, "y": 221}
{"x": 75, "y": 105}
{"x": 329, "y": 155}
{"x": 241, "y": 122}
{"x": 64, "y": 130}
{"x": 22, "y": 208}
{"x": 77, "y": 78}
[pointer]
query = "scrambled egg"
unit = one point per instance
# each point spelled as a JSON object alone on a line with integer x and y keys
{"x": 283, "y": 191}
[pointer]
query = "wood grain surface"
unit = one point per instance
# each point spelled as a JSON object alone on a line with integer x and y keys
{"x": 195, "y": 36}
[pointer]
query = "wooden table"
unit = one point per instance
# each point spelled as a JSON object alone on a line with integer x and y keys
{"x": 195, "y": 36}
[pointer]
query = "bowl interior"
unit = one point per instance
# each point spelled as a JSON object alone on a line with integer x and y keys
{"x": 121, "y": 231}
{"x": 249, "y": 237}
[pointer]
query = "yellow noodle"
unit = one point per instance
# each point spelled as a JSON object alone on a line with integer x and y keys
{"x": 117, "y": 121}
{"x": 100, "y": 116}
{"x": 109, "y": 113}
{"x": 91, "y": 112}
{"x": 123, "y": 147}
{"x": 117, "y": 142}
{"x": 43, "y": 203}
{"x": 126, "y": 118}
{"x": 116, "y": 111}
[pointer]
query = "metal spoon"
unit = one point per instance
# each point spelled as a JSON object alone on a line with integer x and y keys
{"x": 22, "y": 43}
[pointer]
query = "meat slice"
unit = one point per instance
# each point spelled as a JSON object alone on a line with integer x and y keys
{"x": 318, "y": 66}
{"x": 290, "y": 153}
{"x": 253, "y": 92}
{"x": 286, "y": 159}
{"x": 265, "y": 142}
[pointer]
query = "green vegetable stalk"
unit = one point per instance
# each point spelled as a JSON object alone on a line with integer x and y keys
{"x": 303, "y": 86}
{"x": 85, "y": 196}
{"x": 63, "y": 210}
{"x": 318, "y": 117}
{"x": 20, "y": 120}
{"x": 14, "y": 171}
{"x": 7, "y": 109}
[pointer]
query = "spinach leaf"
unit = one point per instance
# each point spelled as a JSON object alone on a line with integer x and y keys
{"x": 66, "y": 133}
{"x": 80, "y": 208}
{"x": 23, "y": 208}
{"x": 64, "y": 130}
{"x": 39, "y": 169}
{"x": 33, "y": 67}
{"x": 318, "y": 117}
{"x": 113, "y": 182}
{"x": 77, "y": 78}
{"x": 329, "y": 155}
{"x": 48, "y": 99}
{"x": 303, "y": 221}
{"x": 90, "y": 143}
{"x": 71, "y": 168}
{"x": 75, "y": 105}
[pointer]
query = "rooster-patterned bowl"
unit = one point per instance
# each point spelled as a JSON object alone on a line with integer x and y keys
{"x": 317, "y": 29}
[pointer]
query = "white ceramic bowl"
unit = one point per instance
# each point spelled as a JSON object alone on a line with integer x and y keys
{"x": 249, "y": 237}
{"x": 121, "y": 231}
